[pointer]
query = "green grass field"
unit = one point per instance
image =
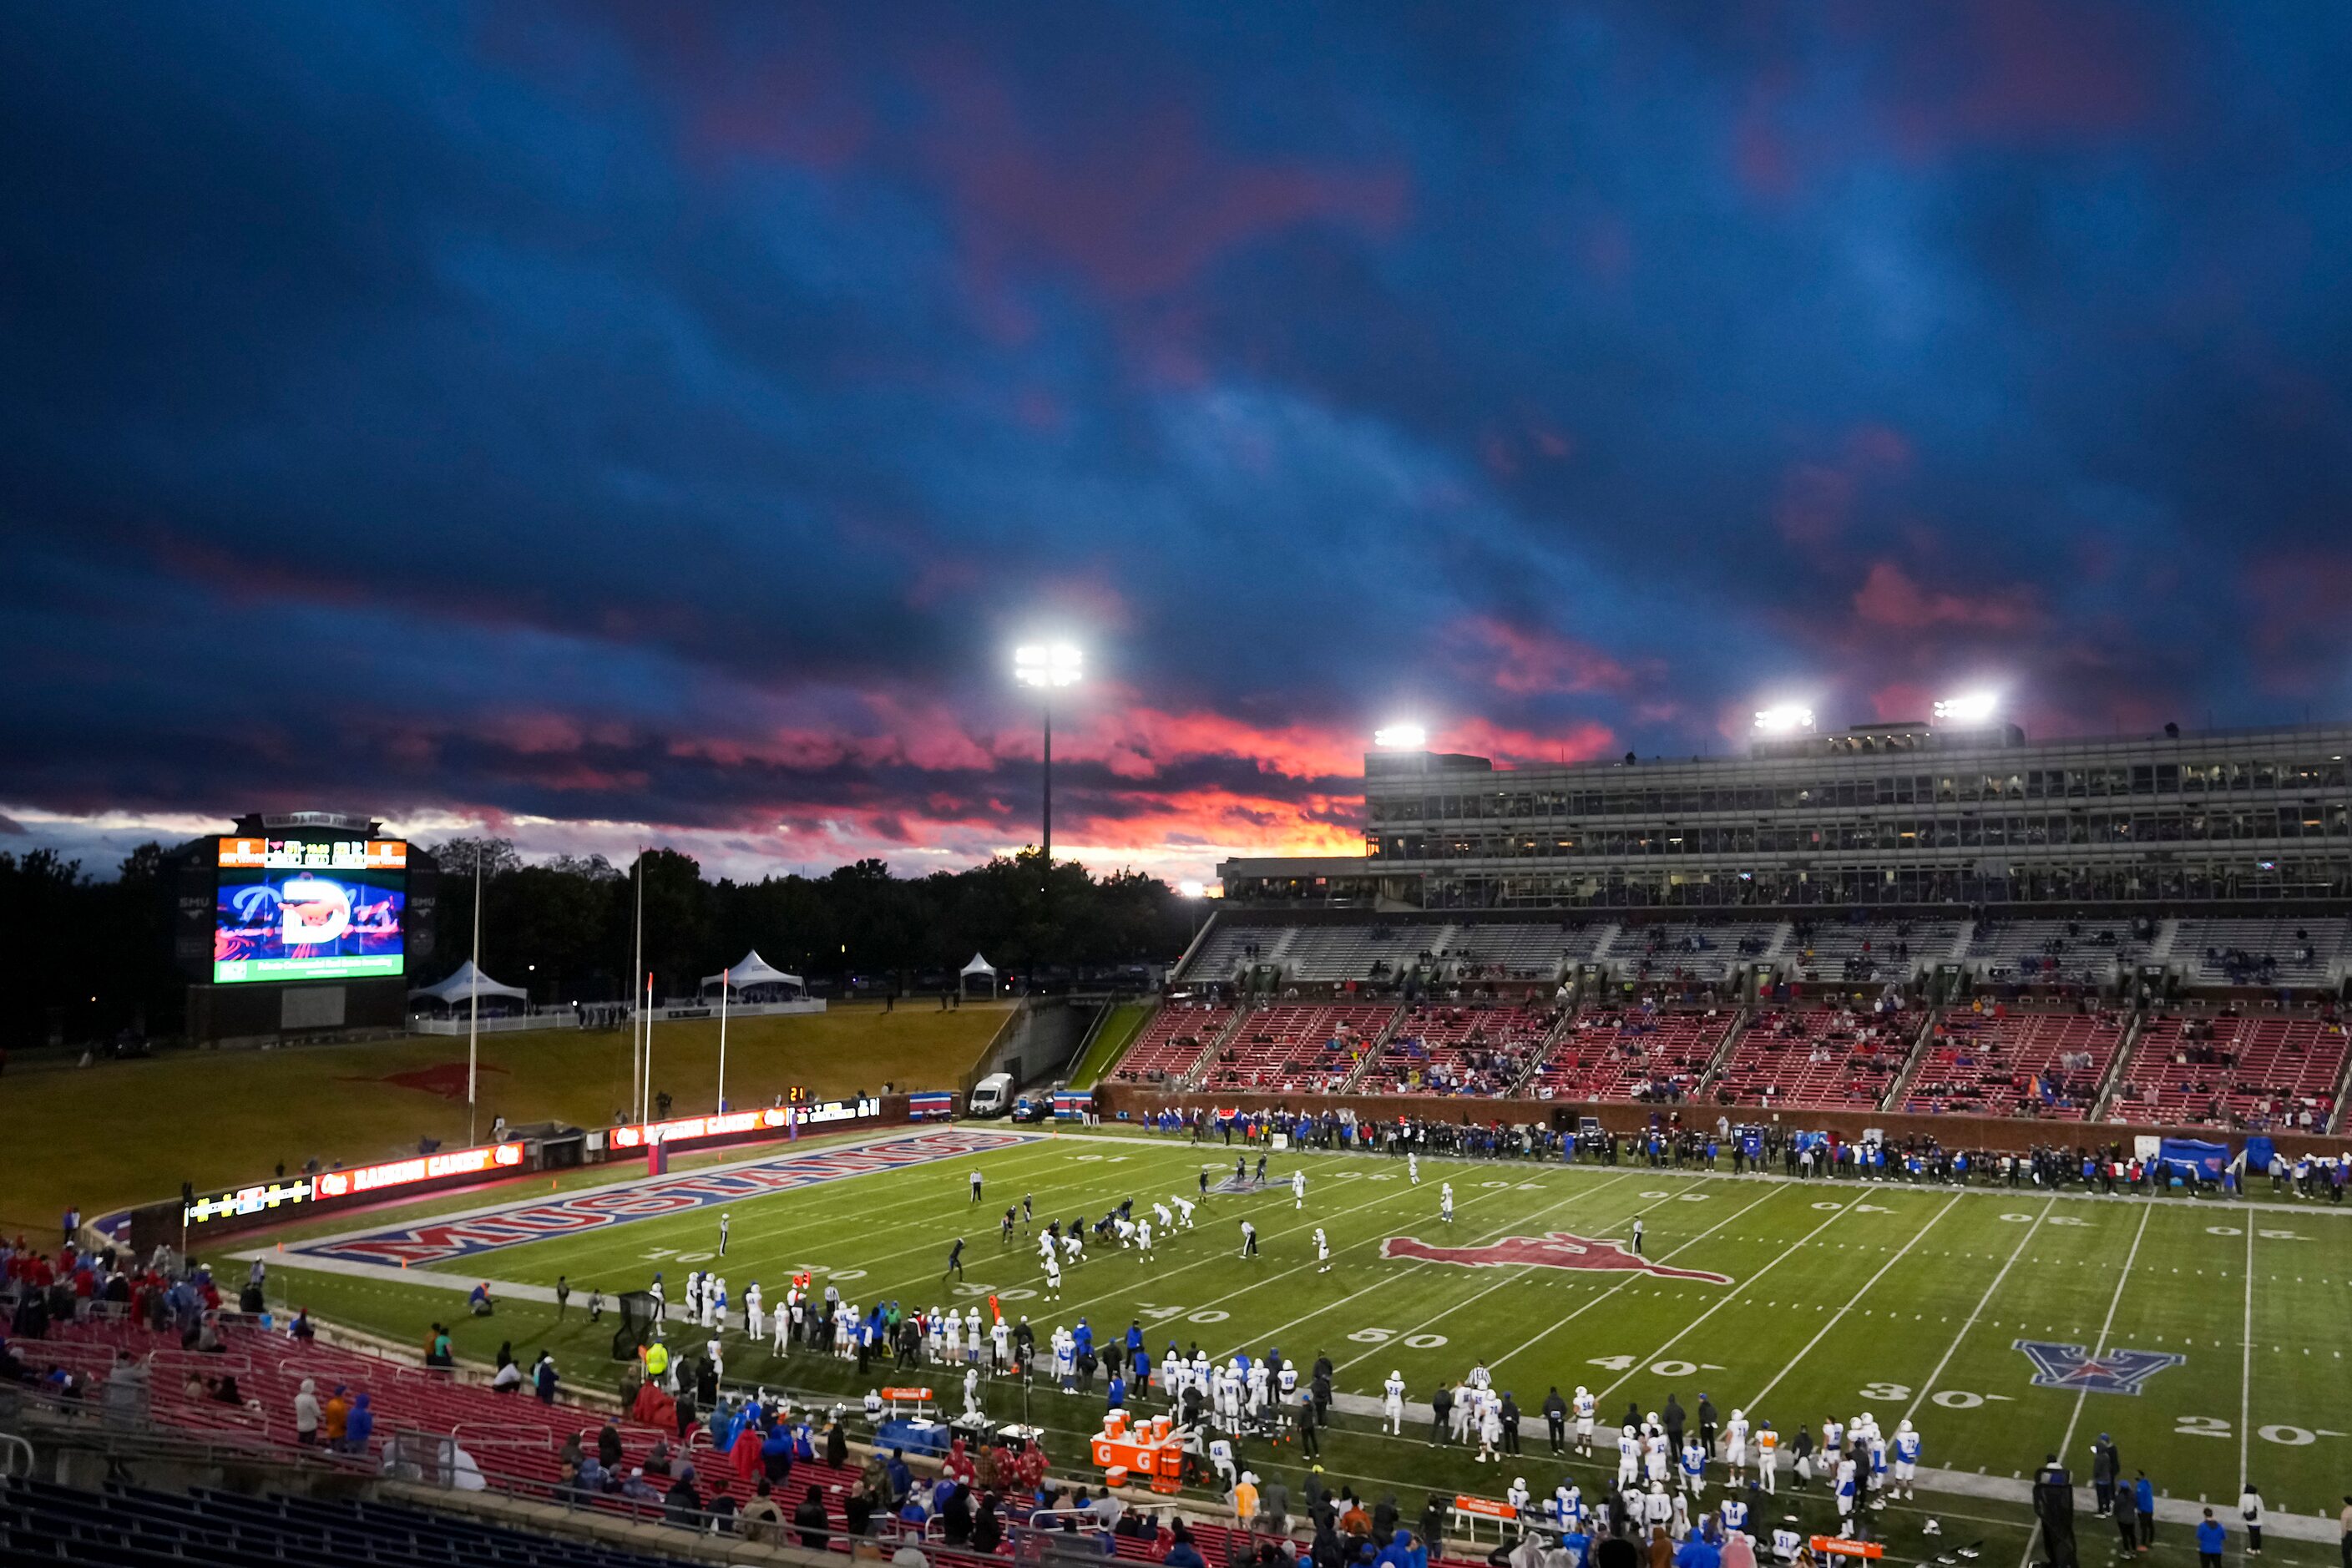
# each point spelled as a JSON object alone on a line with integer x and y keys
{"x": 220, "y": 1118}
{"x": 1111, "y": 1041}
{"x": 1904, "y": 1301}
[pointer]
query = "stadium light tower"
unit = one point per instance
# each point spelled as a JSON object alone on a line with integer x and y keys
{"x": 1047, "y": 667}
{"x": 1400, "y": 737}
{"x": 1192, "y": 892}
{"x": 1785, "y": 719}
{"x": 1971, "y": 708}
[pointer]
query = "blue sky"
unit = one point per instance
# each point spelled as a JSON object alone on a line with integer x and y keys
{"x": 621, "y": 422}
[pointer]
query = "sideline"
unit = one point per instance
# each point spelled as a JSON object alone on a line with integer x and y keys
{"x": 2223, "y": 1205}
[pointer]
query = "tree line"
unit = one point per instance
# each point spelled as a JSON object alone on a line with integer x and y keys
{"x": 94, "y": 957}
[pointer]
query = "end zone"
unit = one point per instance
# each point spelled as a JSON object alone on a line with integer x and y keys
{"x": 498, "y": 1226}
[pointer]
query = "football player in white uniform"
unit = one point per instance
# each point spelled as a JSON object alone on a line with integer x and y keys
{"x": 1392, "y": 1403}
{"x": 1583, "y": 1405}
{"x": 1906, "y": 1461}
{"x": 1322, "y": 1252}
{"x": 1629, "y": 1450}
{"x": 1445, "y": 1202}
{"x": 1298, "y": 1188}
{"x": 1734, "y": 1447}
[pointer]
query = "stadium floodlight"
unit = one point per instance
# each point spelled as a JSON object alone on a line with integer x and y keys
{"x": 1974, "y": 708}
{"x": 1400, "y": 737}
{"x": 1785, "y": 719}
{"x": 1192, "y": 892}
{"x": 1048, "y": 665}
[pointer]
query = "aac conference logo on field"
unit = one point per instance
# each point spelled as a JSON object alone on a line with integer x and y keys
{"x": 2072, "y": 1366}
{"x": 1554, "y": 1249}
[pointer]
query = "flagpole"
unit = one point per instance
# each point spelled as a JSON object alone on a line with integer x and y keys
{"x": 636, "y": 1017}
{"x": 645, "y": 1109}
{"x": 474, "y": 1000}
{"x": 723, "y": 987}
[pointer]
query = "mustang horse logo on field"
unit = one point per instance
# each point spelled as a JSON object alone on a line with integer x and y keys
{"x": 2072, "y": 1366}
{"x": 1555, "y": 1249}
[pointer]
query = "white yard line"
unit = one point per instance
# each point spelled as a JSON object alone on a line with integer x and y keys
{"x": 1928, "y": 1387}
{"x": 1490, "y": 1289}
{"x": 1729, "y": 1295}
{"x": 1838, "y": 1316}
{"x": 2246, "y": 1367}
{"x": 2066, "y": 1444}
{"x": 1549, "y": 1329}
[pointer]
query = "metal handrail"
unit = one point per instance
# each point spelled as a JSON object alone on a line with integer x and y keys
{"x": 544, "y": 1442}
{"x": 12, "y": 1444}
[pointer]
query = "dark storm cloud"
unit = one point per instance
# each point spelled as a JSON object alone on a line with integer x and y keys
{"x": 668, "y": 416}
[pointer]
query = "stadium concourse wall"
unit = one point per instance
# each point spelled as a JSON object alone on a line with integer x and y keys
{"x": 1999, "y": 1134}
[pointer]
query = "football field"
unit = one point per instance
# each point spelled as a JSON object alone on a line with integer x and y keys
{"x": 2208, "y": 1338}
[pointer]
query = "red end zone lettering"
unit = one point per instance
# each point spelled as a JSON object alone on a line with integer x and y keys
{"x": 438, "y": 1241}
{"x": 1554, "y": 1249}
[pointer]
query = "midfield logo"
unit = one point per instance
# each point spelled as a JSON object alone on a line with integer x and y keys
{"x": 1555, "y": 1249}
{"x": 2071, "y": 1366}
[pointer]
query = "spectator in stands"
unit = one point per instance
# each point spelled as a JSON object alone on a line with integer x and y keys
{"x": 509, "y": 1376}
{"x": 359, "y": 1427}
{"x": 682, "y": 1506}
{"x": 437, "y": 1352}
{"x": 1182, "y": 1552}
{"x": 810, "y": 1520}
{"x": 987, "y": 1527}
{"x": 337, "y": 1414}
{"x": 762, "y": 1520}
{"x": 300, "y": 1329}
{"x": 126, "y": 1393}
{"x": 543, "y": 1378}
{"x": 306, "y": 1414}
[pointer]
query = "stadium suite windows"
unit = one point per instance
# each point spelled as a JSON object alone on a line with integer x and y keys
{"x": 1882, "y": 813}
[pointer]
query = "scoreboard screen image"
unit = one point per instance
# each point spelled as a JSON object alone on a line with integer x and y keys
{"x": 308, "y": 909}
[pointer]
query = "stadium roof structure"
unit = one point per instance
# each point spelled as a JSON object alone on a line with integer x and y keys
{"x": 752, "y": 970}
{"x": 469, "y": 984}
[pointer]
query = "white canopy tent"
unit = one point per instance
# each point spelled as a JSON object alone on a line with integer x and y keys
{"x": 469, "y": 984}
{"x": 749, "y": 971}
{"x": 978, "y": 965}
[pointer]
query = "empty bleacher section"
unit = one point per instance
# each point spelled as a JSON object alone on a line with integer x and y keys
{"x": 1172, "y": 1042}
{"x": 2300, "y": 951}
{"x": 2070, "y": 952}
{"x": 1867, "y": 952}
{"x": 40, "y": 1520}
{"x": 1996, "y": 1063}
{"x": 2253, "y": 1070}
{"x": 1816, "y": 1056}
{"x": 1297, "y": 1048}
{"x": 1643, "y": 1054}
{"x": 1697, "y": 952}
{"x": 1334, "y": 952}
{"x": 1516, "y": 950}
{"x": 1440, "y": 1048}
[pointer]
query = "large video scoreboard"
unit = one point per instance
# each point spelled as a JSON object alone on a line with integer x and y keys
{"x": 308, "y": 907}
